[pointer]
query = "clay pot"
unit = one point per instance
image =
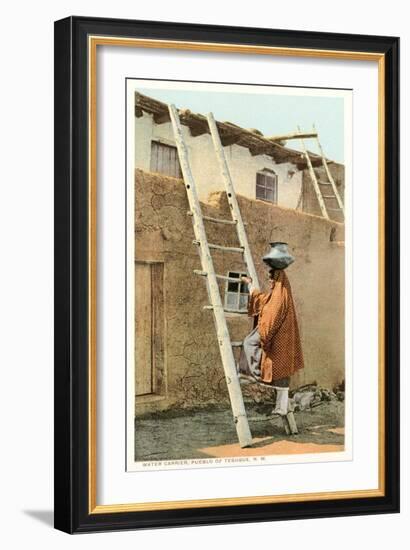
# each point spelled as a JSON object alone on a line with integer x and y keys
{"x": 278, "y": 256}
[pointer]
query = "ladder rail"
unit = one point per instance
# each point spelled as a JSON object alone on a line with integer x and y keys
{"x": 224, "y": 340}
{"x": 313, "y": 177}
{"x": 232, "y": 200}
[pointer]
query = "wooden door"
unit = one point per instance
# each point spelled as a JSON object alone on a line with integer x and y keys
{"x": 143, "y": 330}
{"x": 149, "y": 328}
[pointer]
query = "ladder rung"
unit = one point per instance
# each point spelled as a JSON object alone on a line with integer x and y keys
{"x": 215, "y": 220}
{"x": 222, "y": 277}
{"x": 334, "y": 209}
{"x": 222, "y": 248}
{"x": 230, "y": 279}
{"x": 227, "y": 310}
{"x": 248, "y": 379}
{"x": 329, "y": 196}
{"x": 226, "y": 248}
{"x": 236, "y": 344}
{"x": 218, "y": 220}
{"x": 320, "y": 182}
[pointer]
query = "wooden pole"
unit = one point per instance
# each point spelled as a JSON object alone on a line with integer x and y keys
{"x": 293, "y": 135}
{"x": 232, "y": 200}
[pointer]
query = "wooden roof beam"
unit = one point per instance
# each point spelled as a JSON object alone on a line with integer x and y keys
{"x": 292, "y": 135}
{"x": 197, "y": 124}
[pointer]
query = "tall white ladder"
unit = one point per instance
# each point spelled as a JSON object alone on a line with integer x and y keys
{"x": 333, "y": 194}
{"x": 208, "y": 270}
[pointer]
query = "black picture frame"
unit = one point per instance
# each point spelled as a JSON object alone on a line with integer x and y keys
{"x": 72, "y": 512}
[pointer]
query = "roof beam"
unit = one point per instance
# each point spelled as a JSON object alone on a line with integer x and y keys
{"x": 197, "y": 124}
{"x": 292, "y": 135}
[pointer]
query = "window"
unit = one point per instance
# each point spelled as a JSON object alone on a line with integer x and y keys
{"x": 267, "y": 186}
{"x": 236, "y": 294}
{"x": 164, "y": 159}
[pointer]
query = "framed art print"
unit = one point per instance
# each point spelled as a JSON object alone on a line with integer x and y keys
{"x": 226, "y": 274}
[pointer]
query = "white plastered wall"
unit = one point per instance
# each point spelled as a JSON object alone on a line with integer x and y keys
{"x": 242, "y": 164}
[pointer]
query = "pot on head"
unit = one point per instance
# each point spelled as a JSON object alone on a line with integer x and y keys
{"x": 278, "y": 256}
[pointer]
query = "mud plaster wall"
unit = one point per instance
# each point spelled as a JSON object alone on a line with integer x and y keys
{"x": 163, "y": 232}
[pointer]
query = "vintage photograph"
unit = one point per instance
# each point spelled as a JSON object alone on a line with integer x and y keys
{"x": 237, "y": 249}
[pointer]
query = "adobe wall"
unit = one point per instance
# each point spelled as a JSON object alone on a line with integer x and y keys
{"x": 163, "y": 232}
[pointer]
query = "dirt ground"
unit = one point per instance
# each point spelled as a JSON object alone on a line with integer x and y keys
{"x": 187, "y": 434}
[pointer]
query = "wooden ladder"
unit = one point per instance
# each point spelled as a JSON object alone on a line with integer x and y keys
{"x": 208, "y": 272}
{"x": 333, "y": 194}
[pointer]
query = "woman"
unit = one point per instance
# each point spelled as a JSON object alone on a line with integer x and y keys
{"x": 274, "y": 344}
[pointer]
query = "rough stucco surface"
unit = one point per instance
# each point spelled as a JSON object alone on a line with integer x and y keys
{"x": 163, "y": 232}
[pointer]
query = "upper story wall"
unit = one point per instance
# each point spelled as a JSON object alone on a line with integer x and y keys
{"x": 243, "y": 166}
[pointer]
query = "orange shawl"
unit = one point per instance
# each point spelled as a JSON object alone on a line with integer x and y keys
{"x": 278, "y": 328}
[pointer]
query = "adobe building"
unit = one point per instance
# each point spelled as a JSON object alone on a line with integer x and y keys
{"x": 177, "y": 361}
{"x": 261, "y": 167}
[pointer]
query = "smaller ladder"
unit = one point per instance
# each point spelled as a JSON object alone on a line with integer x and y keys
{"x": 332, "y": 194}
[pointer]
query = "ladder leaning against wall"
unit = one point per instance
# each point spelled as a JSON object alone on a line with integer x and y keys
{"x": 208, "y": 270}
{"x": 330, "y": 200}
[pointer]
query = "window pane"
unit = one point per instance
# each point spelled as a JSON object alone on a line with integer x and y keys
{"x": 269, "y": 195}
{"x": 233, "y": 287}
{"x": 260, "y": 192}
{"x": 259, "y": 179}
{"x": 243, "y": 301}
{"x": 231, "y": 300}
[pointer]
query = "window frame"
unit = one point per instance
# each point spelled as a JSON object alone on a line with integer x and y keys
{"x": 268, "y": 175}
{"x": 236, "y": 293}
